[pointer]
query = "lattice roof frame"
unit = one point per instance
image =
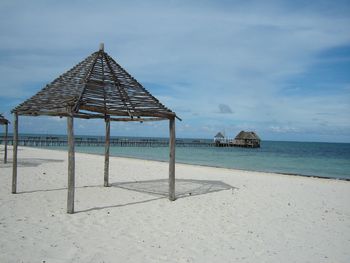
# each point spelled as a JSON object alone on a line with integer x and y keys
{"x": 97, "y": 87}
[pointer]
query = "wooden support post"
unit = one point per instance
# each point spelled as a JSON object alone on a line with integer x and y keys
{"x": 71, "y": 166}
{"x": 6, "y": 133}
{"x": 172, "y": 159}
{"x": 108, "y": 130}
{"x": 14, "y": 161}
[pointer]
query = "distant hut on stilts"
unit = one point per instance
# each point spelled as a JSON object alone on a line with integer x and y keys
{"x": 243, "y": 139}
{"x": 219, "y": 138}
{"x": 247, "y": 139}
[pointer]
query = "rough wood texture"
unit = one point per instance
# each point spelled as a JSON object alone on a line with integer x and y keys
{"x": 4, "y": 121}
{"x": 5, "y": 139}
{"x": 95, "y": 87}
{"x": 71, "y": 166}
{"x": 106, "y": 175}
{"x": 14, "y": 161}
{"x": 172, "y": 159}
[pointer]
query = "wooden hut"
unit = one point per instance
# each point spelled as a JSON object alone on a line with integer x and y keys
{"x": 247, "y": 139}
{"x": 97, "y": 87}
{"x": 219, "y": 138}
{"x": 4, "y": 121}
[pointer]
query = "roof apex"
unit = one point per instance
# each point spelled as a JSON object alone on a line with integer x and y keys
{"x": 219, "y": 135}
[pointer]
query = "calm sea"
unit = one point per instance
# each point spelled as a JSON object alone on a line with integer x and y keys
{"x": 302, "y": 158}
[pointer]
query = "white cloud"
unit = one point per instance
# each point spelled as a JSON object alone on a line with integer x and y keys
{"x": 283, "y": 129}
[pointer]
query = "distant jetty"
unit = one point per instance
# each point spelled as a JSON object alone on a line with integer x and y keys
{"x": 60, "y": 141}
{"x": 241, "y": 140}
{"x": 246, "y": 139}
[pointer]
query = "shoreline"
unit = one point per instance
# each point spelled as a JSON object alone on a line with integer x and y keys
{"x": 204, "y": 165}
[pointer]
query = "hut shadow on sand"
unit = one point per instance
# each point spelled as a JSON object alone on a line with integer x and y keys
{"x": 159, "y": 189}
{"x": 184, "y": 187}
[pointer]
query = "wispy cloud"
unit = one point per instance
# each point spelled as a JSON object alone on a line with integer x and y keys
{"x": 223, "y": 108}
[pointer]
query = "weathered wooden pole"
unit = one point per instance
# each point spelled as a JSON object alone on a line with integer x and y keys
{"x": 14, "y": 159}
{"x": 71, "y": 166}
{"x": 108, "y": 131}
{"x": 172, "y": 159}
{"x": 6, "y": 132}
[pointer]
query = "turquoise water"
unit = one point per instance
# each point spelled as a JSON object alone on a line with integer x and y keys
{"x": 302, "y": 158}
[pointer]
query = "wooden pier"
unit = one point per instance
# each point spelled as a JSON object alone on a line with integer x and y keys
{"x": 51, "y": 141}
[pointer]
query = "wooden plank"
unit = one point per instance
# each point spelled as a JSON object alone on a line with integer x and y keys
{"x": 172, "y": 159}
{"x": 5, "y": 139}
{"x": 71, "y": 166}
{"x": 14, "y": 161}
{"x": 106, "y": 174}
{"x": 138, "y": 119}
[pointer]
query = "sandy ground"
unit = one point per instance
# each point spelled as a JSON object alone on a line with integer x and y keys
{"x": 220, "y": 215}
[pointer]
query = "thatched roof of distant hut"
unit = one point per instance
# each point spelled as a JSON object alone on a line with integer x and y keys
{"x": 243, "y": 135}
{"x": 219, "y": 135}
{"x": 3, "y": 120}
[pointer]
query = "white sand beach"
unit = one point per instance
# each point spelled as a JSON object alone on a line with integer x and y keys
{"x": 220, "y": 215}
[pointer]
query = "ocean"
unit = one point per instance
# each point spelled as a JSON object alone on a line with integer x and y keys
{"x": 330, "y": 160}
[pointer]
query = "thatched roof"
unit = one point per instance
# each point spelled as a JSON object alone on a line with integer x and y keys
{"x": 219, "y": 135}
{"x": 3, "y": 120}
{"x": 243, "y": 135}
{"x": 95, "y": 88}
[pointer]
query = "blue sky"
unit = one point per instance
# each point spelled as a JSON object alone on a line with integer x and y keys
{"x": 280, "y": 68}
